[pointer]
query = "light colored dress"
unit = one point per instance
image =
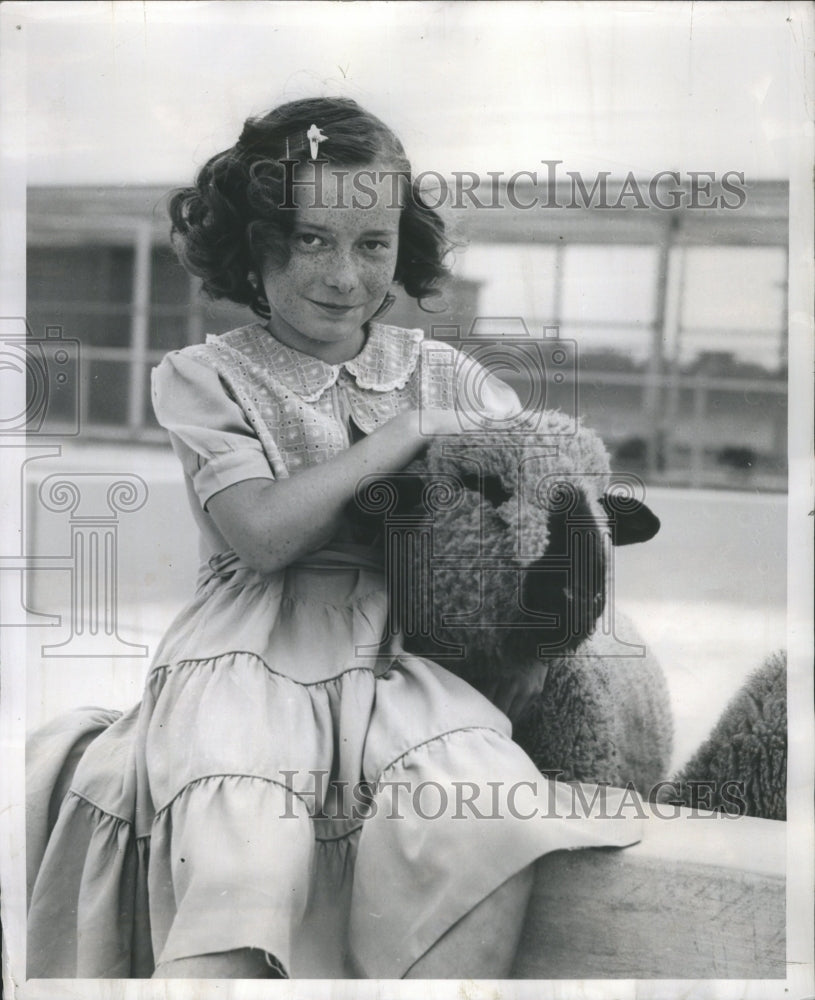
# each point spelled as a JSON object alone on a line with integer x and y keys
{"x": 212, "y": 816}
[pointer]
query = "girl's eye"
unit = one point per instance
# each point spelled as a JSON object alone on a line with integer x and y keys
{"x": 375, "y": 245}
{"x": 310, "y": 240}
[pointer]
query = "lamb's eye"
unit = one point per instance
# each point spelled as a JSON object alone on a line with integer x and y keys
{"x": 494, "y": 491}
{"x": 490, "y": 487}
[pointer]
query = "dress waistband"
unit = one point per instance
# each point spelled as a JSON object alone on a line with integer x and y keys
{"x": 342, "y": 554}
{"x": 338, "y": 555}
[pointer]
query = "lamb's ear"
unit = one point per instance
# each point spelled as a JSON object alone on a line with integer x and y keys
{"x": 378, "y": 497}
{"x": 630, "y": 521}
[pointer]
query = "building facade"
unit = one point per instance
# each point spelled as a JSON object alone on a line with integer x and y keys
{"x": 673, "y": 319}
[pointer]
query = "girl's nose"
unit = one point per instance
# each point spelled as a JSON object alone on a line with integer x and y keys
{"x": 342, "y": 274}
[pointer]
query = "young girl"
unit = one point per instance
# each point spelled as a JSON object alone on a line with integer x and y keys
{"x": 206, "y": 833}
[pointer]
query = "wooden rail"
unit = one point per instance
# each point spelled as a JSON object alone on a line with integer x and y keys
{"x": 700, "y": 897}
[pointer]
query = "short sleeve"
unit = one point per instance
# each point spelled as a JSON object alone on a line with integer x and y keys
{"x": 208, "y": 430}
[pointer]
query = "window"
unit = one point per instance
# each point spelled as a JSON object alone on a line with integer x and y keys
{"x": 127, "y": 305}
{"x": 733, "y": 305}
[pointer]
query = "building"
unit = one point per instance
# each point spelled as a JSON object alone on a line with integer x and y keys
{"x": 675, "y": 317}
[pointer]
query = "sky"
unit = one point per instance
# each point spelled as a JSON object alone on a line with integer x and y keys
{"x": 130, "y": 92}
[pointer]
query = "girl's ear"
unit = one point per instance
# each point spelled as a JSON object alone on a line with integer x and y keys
{"x": 630, "y": 521}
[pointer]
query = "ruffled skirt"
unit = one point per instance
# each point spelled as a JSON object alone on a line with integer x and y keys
{"x": 288, "y": 783}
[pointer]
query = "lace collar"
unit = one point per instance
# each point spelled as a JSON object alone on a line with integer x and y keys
{"x": 386, "y": 362}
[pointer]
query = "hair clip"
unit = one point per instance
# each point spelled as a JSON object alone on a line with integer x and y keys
{"x": 315, "y": 137}
{"x": 295, "y": 144}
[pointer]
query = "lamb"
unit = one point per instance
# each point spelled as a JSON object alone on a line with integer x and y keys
{"x": 619, "y": 726}
{"x": 741, "y": 768}
{"x": 499, "y": 569}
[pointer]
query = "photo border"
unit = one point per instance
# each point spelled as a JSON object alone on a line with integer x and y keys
{"x": 801, "y": 778}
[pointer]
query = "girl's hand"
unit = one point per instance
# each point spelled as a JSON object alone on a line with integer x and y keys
{"x": 435, "y": 423}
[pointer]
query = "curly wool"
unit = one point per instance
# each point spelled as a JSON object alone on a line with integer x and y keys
{"x": 601, "y": 716}
{"x": 745, "y": 756}
{"x": 531, "y": 468}
{"x": 530, "y": 450}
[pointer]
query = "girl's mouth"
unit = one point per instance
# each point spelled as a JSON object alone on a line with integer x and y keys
{"x": 332, "y": 308}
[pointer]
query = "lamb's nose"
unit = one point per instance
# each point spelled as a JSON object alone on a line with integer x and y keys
{"x": 571, "y": 606}
{"x": 584, "y": 606}
{"x": 595, "y": 600}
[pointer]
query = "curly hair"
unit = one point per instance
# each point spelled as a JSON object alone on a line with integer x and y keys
{"x": 238, "y": 213}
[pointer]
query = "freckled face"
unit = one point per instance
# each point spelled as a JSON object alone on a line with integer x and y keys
{"x": 341, "y": 266}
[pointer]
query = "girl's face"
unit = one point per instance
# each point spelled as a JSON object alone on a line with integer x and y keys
{"x": 341, "y": 265}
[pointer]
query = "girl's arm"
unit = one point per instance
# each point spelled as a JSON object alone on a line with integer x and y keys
{"x": 271, "y": 523}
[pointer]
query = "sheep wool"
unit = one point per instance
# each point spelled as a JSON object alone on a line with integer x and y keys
{"x": 603, "y": 715}
{"x": 741, "y": 768}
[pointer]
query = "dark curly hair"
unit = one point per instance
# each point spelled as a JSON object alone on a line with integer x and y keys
{"x": 235, "y": 216}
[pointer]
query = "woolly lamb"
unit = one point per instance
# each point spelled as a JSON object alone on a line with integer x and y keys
{"x": 615, "y": 704}
{"x": 499, "y": 569}
{"x": 741, "y": 768}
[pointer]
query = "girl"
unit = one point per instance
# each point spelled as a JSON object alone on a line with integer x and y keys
{"x": 206, "y": 833}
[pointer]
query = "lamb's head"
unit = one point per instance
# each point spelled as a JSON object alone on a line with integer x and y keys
{"x": 497, "y": 544}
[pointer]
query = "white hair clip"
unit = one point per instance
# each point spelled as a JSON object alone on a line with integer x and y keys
{"x": 315, "y": 137}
